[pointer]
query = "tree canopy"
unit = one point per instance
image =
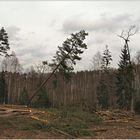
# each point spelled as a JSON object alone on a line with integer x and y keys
{"x": 68, "y": 53}
{"x": 4, "y": 45}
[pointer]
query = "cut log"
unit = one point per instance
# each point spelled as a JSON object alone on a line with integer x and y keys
{"x": 12, "y": 106}
{"x": 9, "y": 114}
{"x": 97, "y": 130}
{"x": 36, "y": 118}
{"x": 5, "y": 112}
{"x": 15, "y": 110}
{"x": 136, "y": 127}
{"x": 115, "y": 116}
{"x": 62, "y": 132}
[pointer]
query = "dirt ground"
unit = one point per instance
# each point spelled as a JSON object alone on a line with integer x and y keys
{"x": 114, "y": 131}
{"x": 127, "y": 130}
{"x": 10, "y": 133}
{"x": 23, "y": 126}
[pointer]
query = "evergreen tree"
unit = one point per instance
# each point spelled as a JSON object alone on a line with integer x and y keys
{"x": 65, "y": 58}
{"x": 69, "y": 53}
{"x": 124, "y": 80}
{"x": 42, "y": 100}
{"x": 102, "y": 95}
{"x": 103, "y": 88}
{"x": 4, "y": 45}
{"x": 23, "y": 99}
{"x": 126, "y": 70}
{"x": 106, "y": 60}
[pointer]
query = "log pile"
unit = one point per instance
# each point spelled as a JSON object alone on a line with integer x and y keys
{"x": 10, "y": 110}
{"x": 115, "y": 116}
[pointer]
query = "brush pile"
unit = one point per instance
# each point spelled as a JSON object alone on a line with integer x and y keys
{"x": 115, "y": 116}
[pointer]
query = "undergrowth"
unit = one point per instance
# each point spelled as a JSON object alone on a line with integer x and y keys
{"x": 74, "y": 121}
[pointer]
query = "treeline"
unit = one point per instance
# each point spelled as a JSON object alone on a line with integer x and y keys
{"x": 81, "y": 90}
{"x": 55, "y": 84}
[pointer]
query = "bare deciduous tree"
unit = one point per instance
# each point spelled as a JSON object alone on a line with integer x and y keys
{"x": 96, "y": 61}
{"x": 11, "y": 64}
{"x": 126, "y": 35}
{"x": 137, "y": 58}
{"x": 42, "y": 69}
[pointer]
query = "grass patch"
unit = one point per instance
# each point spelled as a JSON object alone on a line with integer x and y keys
{"x": 22, "y": 123}
{"x": 73, "y": 121}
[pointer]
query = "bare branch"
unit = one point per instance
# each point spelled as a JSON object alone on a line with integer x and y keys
{"x": 128, "y": 33}
{"x": 122, "y": 33}
{"x": 121, "y": 37}
{"x": 132, "y": 31}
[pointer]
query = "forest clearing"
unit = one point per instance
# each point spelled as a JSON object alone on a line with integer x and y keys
{"x": 18, "y": 121}
{"x": 69, "y": 71}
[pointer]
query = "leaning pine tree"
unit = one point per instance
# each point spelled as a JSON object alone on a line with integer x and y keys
{"x": 68, "y": 53}
{"x": 65, "y": 57}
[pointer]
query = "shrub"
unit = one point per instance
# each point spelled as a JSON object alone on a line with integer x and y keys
{"x": 24, "y": 97}
{"x": 42, "y": 99}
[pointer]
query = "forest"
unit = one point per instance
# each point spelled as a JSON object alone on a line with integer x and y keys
{"x": 102, "y": 86}
{"x": 101, "y": 89}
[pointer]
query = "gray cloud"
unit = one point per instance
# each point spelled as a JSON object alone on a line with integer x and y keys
{"x": 53, "y": 22}
{"x": 104, "y": 24}
{"x": 13, "y": 33}
{"x": 46, "y": 24}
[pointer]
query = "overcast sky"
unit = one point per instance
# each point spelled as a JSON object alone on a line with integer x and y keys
{"x": 36, "y": 28}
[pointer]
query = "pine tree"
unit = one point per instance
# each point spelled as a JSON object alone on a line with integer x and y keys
{"x": 4, "y": 45}
{"x": 69, "y": 53}
{"x": 106, "y": 60}
{"x": 65, "y": 58}
{"x": 102, "y": 94}
{"x": 124, "y": 79}
{"x": 43, "y": 99}
{"x": 126, "y": 70}
{"x": 103, "y": 89}
{"x": 23, "y": 99}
